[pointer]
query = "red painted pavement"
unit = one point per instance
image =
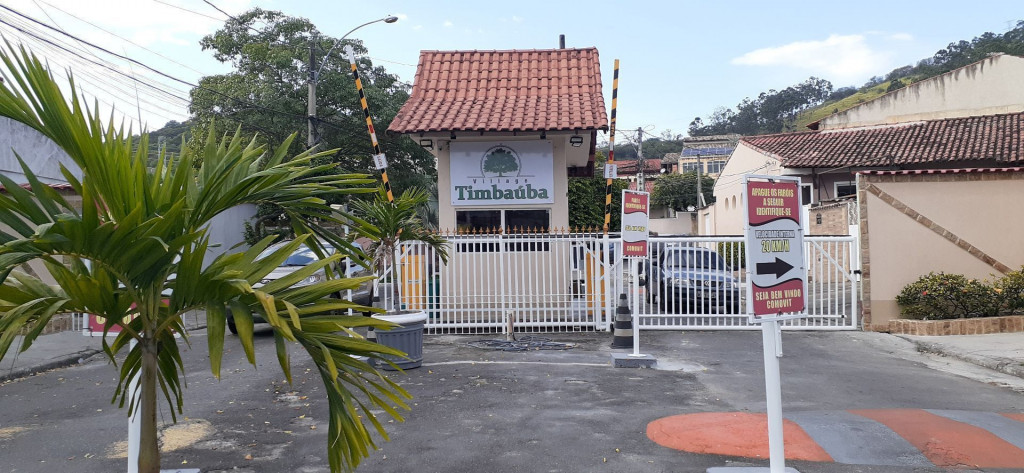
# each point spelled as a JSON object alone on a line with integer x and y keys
{"x": 946, "y": 442}
{"x": 737, "y": 434}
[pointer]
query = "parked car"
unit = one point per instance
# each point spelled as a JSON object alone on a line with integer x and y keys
{"x": 302, "y": 256}
{"x": 694, "y": 278}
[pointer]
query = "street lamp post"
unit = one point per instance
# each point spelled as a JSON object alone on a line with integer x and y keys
{"x": 314, "y": 75}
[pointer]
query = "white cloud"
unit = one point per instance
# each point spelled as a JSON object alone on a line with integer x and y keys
{"x": 840, "y": 58}
{"x": 402, "y": 16}
{"x": 902, "y": 37}
{"x": 417, "y": 27}
{"x": 517, "y": 19}
{"x": 448, "y": 24}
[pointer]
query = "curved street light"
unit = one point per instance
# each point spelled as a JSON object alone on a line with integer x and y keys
{"x": 386, "y": 19}
{"x": 315, "y": 77}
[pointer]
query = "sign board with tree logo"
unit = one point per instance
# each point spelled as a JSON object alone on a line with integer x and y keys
{"x": 502, "y": 173}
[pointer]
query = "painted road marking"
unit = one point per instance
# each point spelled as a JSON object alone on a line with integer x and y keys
{"x": 946, "y": 442}
{"x": 733, "y": 434}
{"x": 857, "y": 440}
{"x": 1005, "y": 428}
{"x": 896, "y": 437}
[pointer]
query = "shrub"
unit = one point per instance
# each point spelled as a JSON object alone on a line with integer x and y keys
{"x": 1011, "y": 289}
{"x": 734, "y": 254}
{"x": 948, "y": 296}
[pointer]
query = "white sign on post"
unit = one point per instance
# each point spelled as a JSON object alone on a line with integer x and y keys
{"x": 777, "y": 288}
{"x": 380, "y": 161}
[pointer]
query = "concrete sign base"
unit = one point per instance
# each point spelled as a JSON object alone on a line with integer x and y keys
{"x": 625, "y": 360}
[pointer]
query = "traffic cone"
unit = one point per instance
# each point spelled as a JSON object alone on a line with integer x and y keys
{"x": 622, "y": 331}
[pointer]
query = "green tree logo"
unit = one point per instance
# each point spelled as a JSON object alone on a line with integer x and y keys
{"x": 500, "y": 160}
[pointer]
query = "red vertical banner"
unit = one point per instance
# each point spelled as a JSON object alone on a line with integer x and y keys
{"x": 635, "y": 215}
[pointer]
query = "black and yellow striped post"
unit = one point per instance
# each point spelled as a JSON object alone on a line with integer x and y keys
{"x": 611, "y": 151}
{"x": 378, "y": 157}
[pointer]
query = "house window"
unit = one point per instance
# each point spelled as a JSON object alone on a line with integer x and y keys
{"x": 846, "y": 188}
{"x": 806, "y": 193}
{"x": 489, "y": 221}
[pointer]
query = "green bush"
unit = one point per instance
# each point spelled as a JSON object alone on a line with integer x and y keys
{"x": 1011, "y": 289}
{"x": 949, "y": 296}
{"x": 734, "y": 253}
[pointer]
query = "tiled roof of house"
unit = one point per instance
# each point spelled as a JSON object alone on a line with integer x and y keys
{"x": 630, "y": 167}
{"x": 517, "y": 90}
{"x": 998, "y": 139}
{"x": 941, "y": 171}
{"x": 648, "y": 186}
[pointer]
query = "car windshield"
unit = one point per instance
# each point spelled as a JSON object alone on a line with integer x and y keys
{"x": 302, "y": 255}
{"x": 694, "y": 259}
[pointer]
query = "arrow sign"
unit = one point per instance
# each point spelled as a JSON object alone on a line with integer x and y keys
{"x": 779, "y": 267}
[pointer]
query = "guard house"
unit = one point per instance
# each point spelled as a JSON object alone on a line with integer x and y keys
{"x": 508, "y": 128}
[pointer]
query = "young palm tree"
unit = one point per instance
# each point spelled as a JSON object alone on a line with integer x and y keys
{"x": 140, "y": 234}
{"x": 390, "y": 223}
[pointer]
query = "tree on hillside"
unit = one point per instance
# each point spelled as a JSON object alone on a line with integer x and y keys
{"x": 771, "y": 112}
{"x": 679, "y": 191}
{"x": 267, "y": 91}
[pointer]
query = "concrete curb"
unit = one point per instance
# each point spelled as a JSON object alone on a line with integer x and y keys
{"x": 1002, "y": 365}
{"x": 63, "y": 361}
{"x": 66, "y": 360}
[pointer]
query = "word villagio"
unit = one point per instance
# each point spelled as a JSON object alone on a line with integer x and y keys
{"x": 526, "y": 192}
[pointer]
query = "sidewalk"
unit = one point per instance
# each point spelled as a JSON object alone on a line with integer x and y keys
{"x": 57, "y": 350}
{"x": 1003, "y": 352}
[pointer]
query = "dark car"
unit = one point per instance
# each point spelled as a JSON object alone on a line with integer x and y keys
{"x": 303, "y": 256}
{"x": 693, "y": 278}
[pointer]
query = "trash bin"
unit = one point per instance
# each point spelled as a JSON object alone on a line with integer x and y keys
{"x": 408, "y": 337}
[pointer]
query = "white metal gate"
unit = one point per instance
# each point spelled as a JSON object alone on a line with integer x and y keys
{"x": 560, "y": 282}
{"x": 832, "y": 286}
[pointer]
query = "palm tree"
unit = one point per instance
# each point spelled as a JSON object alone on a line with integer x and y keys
{"x": 140, "y": 234}
{"x": 388, "y": 224}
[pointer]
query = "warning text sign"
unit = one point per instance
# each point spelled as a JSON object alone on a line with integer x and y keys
{"x": 775, "y": 242}
{"x": 635, "y": 233}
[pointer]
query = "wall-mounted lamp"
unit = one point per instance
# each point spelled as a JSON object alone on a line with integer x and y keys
{"x": 817, "y": 219}
{"x": 543, "y": 135}
{"x": 576, "y": 141}
{"x": 427, "y": 143}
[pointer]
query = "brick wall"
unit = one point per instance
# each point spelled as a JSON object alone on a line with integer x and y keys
{"x": 978, "y": 326}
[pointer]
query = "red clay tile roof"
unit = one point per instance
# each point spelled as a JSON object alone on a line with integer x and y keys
{"x": 648, "y": 186}
{"x": 518, "y": 90}
{"x": 941, "y": 171}
{"x": 998, "y": 139}
{"x": 629, "y": 167}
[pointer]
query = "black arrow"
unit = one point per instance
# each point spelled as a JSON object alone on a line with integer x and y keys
{"x": 779, "y": 267}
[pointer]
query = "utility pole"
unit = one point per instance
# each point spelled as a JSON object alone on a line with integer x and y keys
{"x": 311, "y": 100}
{"x": 641, "y": 163}
{"x": 700, "y": 193}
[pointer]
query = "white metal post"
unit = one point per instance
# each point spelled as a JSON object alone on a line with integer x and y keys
{"x": 135, "y": 421}
{"x": 634, "y": 265}
{"x": 770, "y": 337}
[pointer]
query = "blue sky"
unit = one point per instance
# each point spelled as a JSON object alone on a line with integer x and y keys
{"x": 679, "y": 59}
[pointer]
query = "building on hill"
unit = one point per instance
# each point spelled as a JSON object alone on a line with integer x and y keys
{"x": 709, "y": 153}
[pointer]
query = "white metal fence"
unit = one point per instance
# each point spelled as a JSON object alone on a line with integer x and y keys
{"x": 558, "y": 282}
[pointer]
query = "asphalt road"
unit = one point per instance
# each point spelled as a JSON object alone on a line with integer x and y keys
{"x": 476, "y": 410}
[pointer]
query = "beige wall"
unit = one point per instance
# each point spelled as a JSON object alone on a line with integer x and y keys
{"x": 988, "y": 87}
{"x": 565, "y": 155}
{"x": 684, "y": 223}
{"x": 835, "y": 219}
{"x": 979, "y": 209}
{"x": 725, "y": 216}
